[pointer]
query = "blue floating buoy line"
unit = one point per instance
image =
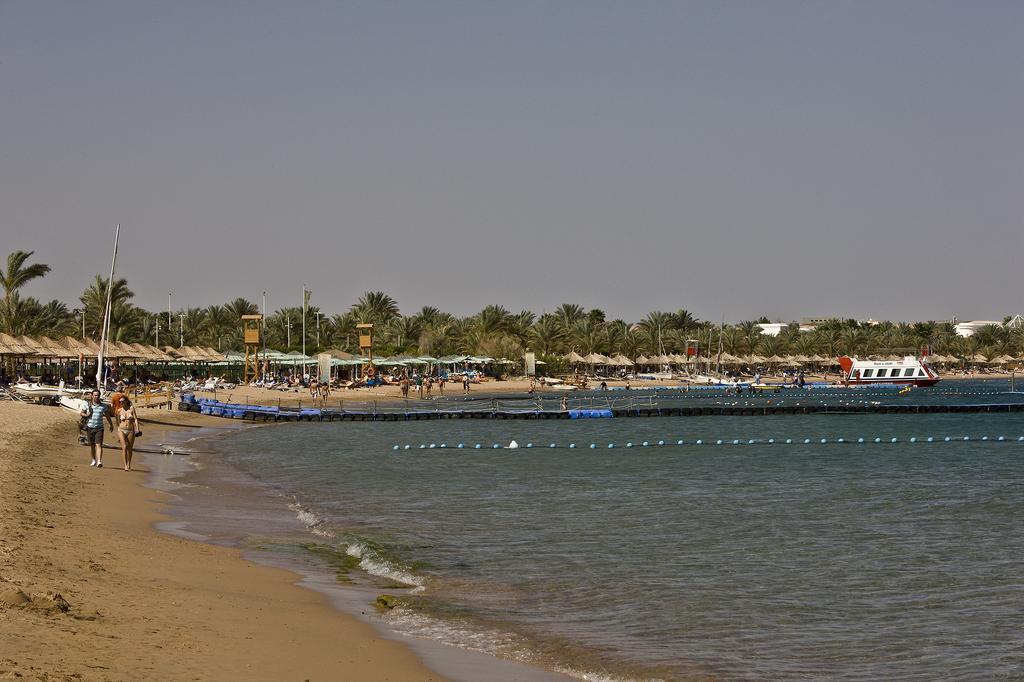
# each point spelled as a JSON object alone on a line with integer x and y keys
{"x": 891, "y": 440}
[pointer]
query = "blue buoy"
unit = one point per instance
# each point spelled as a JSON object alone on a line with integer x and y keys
{"x": 947, "y": 439}
{"x": 593, "y": 446}
{"x": 645, "y": 444}
{"x": 718, "y": 442}
{"x": 789, "y": 441}
{"x": 930, "y": 439}
{"x": 893, "y": 440}
{"x": 395, "y": 448}
{"x": 495, "y": 446}
{"x": 967, "y": 437}
{"x": 878, "y": 440}
{"x": 913, "y": 440}
{"x": 1001, "y": 439}
{"x": 860, "y": 440}
{"x": 629, "y": 445}
{"x": 460, "y": 446}
{"x": 824, "y": 440}
{"x": 551, "y": 445}
{"x": 841, "y": 440}
{"x": 679, "y": 442}
{"x": 771, "y": 441}
{"x": 444, "y": 445}
{"x": 661, "y": 442}
{"x": 700, "y": 442}
{"x": 423, "y": 446}
{"x": 1020, "y": 439}
{"x": 572, "y": 446}
{"x": 984, "y": 437}
{"x": 750, "y": 442}
{"x": 407, "y": 446}
{"x": 807, "y": 440}
{"x": 529, "y": 445}
{"x": 433, "y": 445}
{"x": 477, "y": 446}
{"x": 611, "y": 445}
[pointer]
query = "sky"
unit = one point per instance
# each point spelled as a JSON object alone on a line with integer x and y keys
{"x": 736, "y": 159}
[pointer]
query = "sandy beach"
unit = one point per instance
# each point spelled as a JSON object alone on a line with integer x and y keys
{"x": 89, "y": 590}
{"x": 520, "y": 386}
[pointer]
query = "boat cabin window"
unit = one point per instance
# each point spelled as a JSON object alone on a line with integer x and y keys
{"x": 920, "y": 372}
{"x": 867, "y": 373}
{"x": 908, "y": 372}
{"x": 882, "y": 372}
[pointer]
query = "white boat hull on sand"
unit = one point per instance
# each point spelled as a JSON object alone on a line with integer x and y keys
{"x": 44, "y": 392}
{"x": 72, "y": 404}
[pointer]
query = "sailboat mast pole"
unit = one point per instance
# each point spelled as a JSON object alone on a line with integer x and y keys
{"x": 106, "y": 314}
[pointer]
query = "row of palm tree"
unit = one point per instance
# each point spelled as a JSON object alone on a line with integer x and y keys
{"x": 494, "y": 331}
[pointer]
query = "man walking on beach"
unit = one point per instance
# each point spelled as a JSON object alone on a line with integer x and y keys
{"x": 94, "y": 413}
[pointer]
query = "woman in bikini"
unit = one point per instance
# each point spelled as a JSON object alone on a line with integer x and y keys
{"x": 127, "y": 425}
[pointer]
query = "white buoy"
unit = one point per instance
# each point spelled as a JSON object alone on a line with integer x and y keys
{"x": 513, "y": 445}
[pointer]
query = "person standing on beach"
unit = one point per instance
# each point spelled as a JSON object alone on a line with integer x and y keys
{"x": 465, "y": 384}
{"x": 440, "y": 384}
{"x": 94, "y": 413}
{"x": 127, "y": 426}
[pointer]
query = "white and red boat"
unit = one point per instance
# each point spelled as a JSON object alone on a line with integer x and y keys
{"x": 910, "y": 371}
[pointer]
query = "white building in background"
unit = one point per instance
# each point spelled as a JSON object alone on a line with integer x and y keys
{"x": 775, "y": 328}
{"x": 772, "y": 328}
{"x": 966, "y": 329}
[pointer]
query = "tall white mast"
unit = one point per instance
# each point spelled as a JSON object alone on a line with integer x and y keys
{"x": 106, "y": 315}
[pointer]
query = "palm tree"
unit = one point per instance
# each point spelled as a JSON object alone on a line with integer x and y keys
{"x": 684, "y": 321}
{"x": 375, "y": 307}
{"x": 403, "y": 333}
{"x": 94, "y": 299}
{"x": 222, "y": 324}
{"x": 17, "y": 314}
{"x": 546, "y": 335}
{"x": 17, "y": 274}
{"x": 492, "y": 320}
{"x": 656, "y": 324}
{"x": 569, "y": 314}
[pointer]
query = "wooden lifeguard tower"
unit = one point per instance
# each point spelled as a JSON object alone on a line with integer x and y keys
{"x": 366, "y": 348}
{"x": 251, "y": 337}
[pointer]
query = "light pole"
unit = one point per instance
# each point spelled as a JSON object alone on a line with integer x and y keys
{"x": 181, "y": 330}
{"x": 264, "y": 321}
{"x": 158, "y": 331}
{"x": 169, "y": 323}
{"x": 318, "y": 330}
{"x": 288, "y": 325}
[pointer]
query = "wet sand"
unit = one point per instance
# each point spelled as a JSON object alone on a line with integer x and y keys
{"x": 90, "y": 590}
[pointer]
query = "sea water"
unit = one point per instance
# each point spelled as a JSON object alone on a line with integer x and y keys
{"x": 739, "y": 560}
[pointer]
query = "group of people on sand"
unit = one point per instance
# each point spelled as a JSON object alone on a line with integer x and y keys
{"x": 319, "y": 389}
{"x": 121, "y": 410}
